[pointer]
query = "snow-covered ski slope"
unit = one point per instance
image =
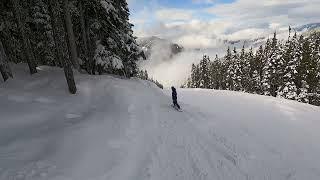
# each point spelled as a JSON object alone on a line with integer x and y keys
{"x": 116, "y": 129}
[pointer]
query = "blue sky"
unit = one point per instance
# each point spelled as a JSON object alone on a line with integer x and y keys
{"x": 187, "y": 4}
{"x": 138, "y": 5}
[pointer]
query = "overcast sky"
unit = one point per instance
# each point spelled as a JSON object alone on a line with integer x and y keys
{"x": 201, "y": 23}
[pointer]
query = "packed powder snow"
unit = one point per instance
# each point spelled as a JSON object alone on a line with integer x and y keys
{"x": 121, "y": 129}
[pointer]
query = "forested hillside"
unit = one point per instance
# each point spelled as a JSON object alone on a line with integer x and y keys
{"x": 91, "y": 36}
{"x": 288, "y": 69}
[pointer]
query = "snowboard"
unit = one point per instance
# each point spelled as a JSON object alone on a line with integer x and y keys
{"x": 176, "y": 108}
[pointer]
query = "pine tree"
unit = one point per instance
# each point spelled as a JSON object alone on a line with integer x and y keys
{"x": 4, "y": 66}
{"x": 230, "y": 70}
{"x": 204, "y": 72}
{"x": 195, "y": 77}
{"x": 216, "y": 74}
{"x": 291, "y": 57}
{"x": 115, "y": 40}
{"x": 246, "y": 64}
{"x": 146, "y": 76}
{"x": 131, "y": 49}
{"x": 273, "y": 71}
{"x": 60, "y": 43}
{"x": 140, "y": 74}
{"x": 188, "y": 84}
{"x": 42, "y": 37}
{"x": 9, "y": 33}
{"x": 25, "y": 39}
{"x": 84, "y": 36}
{"x": 316, "y": 55}
{"x": 308, "y": 70}
{"x": 234, "y": 72}
{"x": 257, "y": 70}
{"x": 70, "y": 34}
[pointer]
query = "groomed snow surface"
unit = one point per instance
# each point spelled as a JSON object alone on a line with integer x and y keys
{"x": 117, "y": 129}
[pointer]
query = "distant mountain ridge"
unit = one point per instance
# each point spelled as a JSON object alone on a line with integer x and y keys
{"x": 308, "y": 27}
{"x": 303, "y": 29}
{"x": 153, "y": 43}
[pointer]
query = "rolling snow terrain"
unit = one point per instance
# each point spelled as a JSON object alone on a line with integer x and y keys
{"x": 119, "y": 129}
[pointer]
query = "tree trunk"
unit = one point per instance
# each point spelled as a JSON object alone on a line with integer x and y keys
{"x": 25, "y": 41}
{"x": 4, "y": 66}
{"x": 91, "y": 47}
{"x": 60, "y": 43}
{"x": 70, "y": 33}
{"x": 3, "y": 73}
{"x": 84, "y": 35}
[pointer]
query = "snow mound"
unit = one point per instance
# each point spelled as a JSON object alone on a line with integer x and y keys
{"x": 120, "y": 129}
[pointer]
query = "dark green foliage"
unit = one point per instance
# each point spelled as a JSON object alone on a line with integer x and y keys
{"x": 4, "y": 66}
{"x": 21, "y": 20}
{"x": 216, "y": 74}
{"x": 42, "y": 35}
{"x": 204, "y": 72}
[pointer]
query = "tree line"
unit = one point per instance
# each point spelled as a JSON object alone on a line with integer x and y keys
{"x": 288, "y": 69}
{"x": 90, "y": 36}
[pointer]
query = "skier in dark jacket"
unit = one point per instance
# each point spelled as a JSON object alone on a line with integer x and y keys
{"x": 174, "y": 97}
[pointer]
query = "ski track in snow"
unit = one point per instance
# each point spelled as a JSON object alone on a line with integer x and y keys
{"x": 117, "y": 129}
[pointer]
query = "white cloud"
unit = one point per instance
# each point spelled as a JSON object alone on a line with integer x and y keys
{"x": 250, "y": 33}
{"x": 195, "y": 41}
{"x": 203, "y": 1}
{"x": 237, "y": 20}
{"x": 173, "y": 14}
{"x": 252, "y": 13}
{"x": 274, "y": 25}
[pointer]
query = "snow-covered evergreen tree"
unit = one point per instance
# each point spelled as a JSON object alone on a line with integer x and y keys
{"x": 256, "y": 69}
{"x": 204, "y": 72}
{"x": 60, "y": 43}
{"x": 234, "y": 72}
{"x": 308, "y": 69}
{"x": 216, "y": 77}
{"x": 273, "y": 72}
{"x": 291, "y": 57}
{"x": 195, "y": 76}
{"x": 42, "y": 39}
{"x": 230, "y": 70}
{"x": 20, "y": 14}
{"x": 116, "y": 36}
{"x": 246, "y": 64}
